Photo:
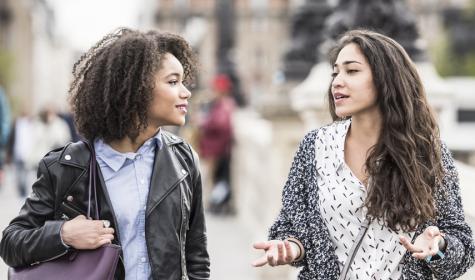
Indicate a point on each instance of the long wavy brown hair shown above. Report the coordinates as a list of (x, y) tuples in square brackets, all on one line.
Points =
[(113, 82), (404, 167)]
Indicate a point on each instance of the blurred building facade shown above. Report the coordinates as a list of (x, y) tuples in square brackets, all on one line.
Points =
[(266, 55), (38, 64), (16, 46)]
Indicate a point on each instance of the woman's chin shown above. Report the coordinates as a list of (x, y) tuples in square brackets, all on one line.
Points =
[(178, 123), (342, 114)]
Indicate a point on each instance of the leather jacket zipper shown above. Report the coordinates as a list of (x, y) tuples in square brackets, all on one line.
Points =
[(181, 223), (182, 250), (166, 194), (50, 259), (180, 239)]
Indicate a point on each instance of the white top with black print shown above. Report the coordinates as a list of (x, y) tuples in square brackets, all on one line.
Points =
[(341, 197), (301, 218)]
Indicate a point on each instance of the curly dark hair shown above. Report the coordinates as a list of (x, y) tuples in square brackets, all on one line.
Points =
[(404, 166), (113, 81)]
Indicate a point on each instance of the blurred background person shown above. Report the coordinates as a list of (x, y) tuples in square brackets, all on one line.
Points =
[(215, 143), (51, 132), (20, 146), (4, 129), (67, 116), (30, 139)]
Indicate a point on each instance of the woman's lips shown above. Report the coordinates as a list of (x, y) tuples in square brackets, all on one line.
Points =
[(182, 108), (339, 97)]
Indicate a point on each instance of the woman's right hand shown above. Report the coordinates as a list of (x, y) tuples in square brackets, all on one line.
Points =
[(81, 233), (277, 252)]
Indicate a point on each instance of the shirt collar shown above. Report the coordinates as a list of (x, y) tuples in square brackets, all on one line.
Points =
[(115, 160), (152, 143), (341, 130)]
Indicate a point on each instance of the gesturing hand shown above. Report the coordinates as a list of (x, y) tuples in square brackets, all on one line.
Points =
[(277, 252), (426, 244), (81, 233)]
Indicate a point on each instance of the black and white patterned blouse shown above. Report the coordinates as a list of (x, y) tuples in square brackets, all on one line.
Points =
[(341, 197), (302, 217)]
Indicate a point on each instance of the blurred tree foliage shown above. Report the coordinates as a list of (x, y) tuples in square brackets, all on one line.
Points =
[(454, 53), (6, 64)]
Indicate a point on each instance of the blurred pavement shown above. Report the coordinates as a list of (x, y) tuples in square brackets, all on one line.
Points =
[(10, 205), (230, 248)]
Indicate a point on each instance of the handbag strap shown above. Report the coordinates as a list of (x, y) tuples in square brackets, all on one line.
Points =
[(354, 250), (92, 182)]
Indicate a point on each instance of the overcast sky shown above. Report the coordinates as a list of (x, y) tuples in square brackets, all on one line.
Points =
[(84, 22)]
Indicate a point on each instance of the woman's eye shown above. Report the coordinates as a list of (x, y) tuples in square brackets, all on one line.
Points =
[(173, 83), (351, 71), (334, 74)]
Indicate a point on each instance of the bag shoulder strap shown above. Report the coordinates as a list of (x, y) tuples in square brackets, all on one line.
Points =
[(354, 250), (92, 182)]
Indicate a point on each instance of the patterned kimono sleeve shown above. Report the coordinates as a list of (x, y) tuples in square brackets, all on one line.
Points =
[(292, 220), (460, 251)]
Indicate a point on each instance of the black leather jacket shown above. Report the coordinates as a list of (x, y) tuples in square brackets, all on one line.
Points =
[(174, 224)]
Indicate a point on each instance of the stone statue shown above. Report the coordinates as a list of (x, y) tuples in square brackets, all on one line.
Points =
[(306, 26), (390, 17)]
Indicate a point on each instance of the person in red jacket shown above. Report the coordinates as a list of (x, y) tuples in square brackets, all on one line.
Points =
[(216, 137)]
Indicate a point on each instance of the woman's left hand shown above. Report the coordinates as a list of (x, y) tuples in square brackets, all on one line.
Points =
[(426, 244)]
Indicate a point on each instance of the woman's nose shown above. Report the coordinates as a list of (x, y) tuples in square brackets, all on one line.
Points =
[(337, 81), (185, 93)]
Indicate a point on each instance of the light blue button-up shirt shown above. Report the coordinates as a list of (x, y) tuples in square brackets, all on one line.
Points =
[(127, 177)]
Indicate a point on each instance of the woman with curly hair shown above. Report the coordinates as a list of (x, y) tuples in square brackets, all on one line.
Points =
[(125, 89), (375, 194)]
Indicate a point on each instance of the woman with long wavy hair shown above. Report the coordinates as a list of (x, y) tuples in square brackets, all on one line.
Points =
[(375, 194)]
